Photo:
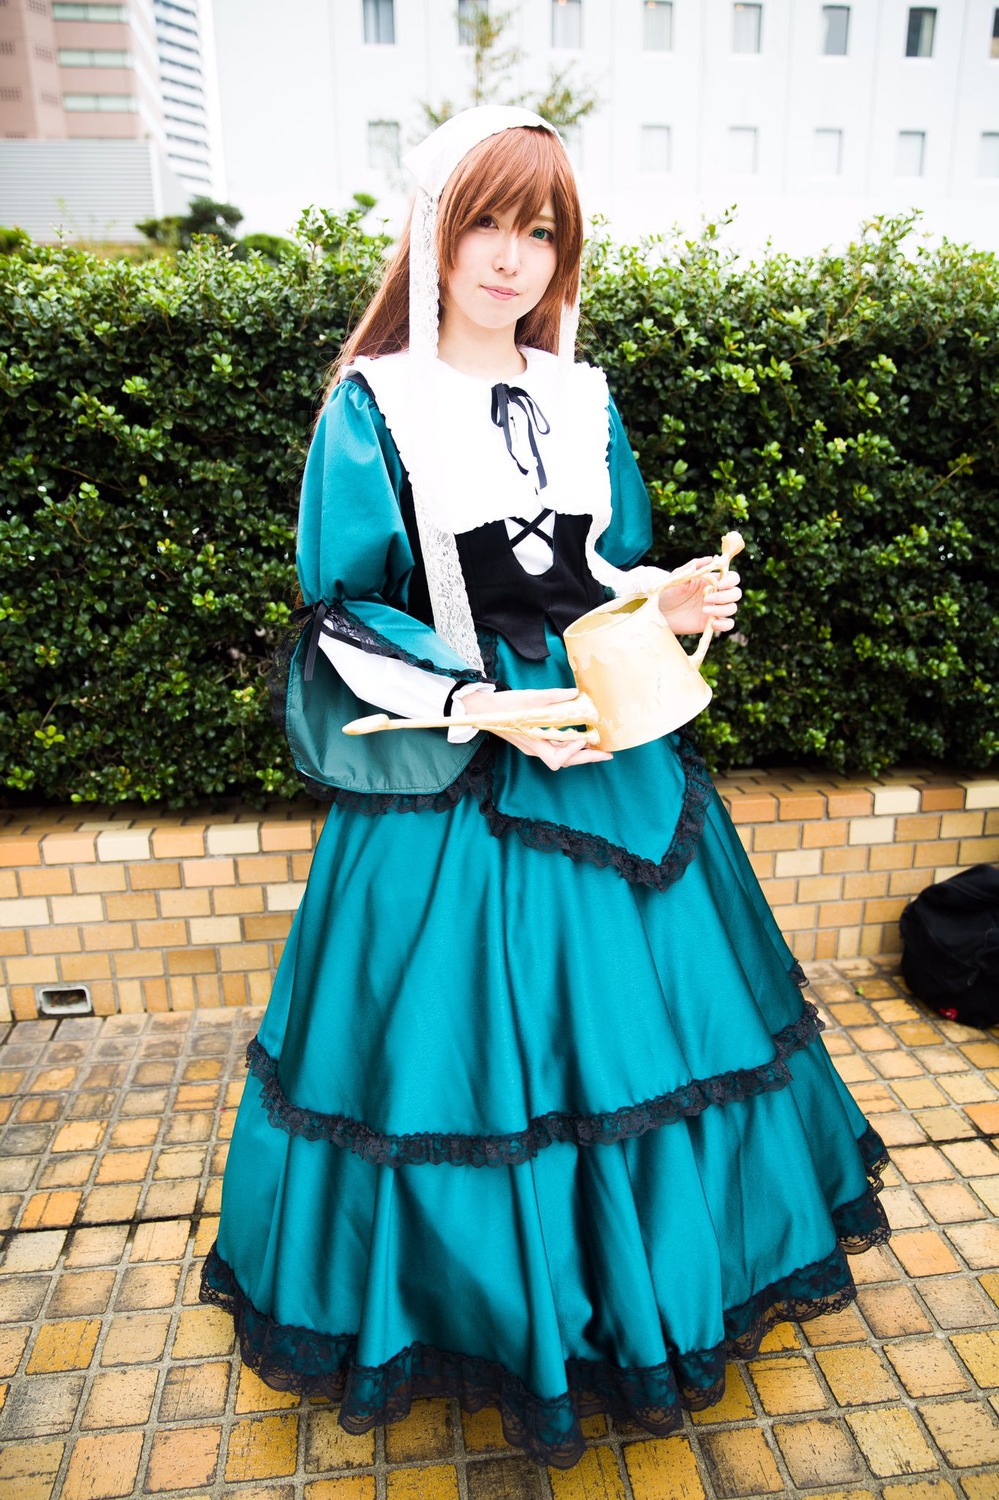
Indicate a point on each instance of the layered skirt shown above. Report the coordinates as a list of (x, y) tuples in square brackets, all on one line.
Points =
[(537, 1116)]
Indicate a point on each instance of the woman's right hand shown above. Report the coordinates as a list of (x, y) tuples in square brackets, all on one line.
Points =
[(555, 753)]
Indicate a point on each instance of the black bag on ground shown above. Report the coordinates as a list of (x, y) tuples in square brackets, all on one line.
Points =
[(950, 946)]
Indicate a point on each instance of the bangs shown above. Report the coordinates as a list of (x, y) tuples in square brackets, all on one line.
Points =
[(517, 170)]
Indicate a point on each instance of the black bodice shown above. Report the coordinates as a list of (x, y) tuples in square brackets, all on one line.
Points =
[(505, 598)]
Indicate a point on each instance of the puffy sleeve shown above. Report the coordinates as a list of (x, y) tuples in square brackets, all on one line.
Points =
[(354, 564), (628, 537), (353, 550)]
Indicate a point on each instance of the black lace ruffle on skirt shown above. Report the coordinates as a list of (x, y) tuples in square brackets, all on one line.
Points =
[(426, 1148), (653, 1398)]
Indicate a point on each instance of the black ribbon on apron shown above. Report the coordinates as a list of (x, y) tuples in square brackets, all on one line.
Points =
[(505, 396)]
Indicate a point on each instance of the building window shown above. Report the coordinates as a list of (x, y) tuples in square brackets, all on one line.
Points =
[(656, 149), (383, 145), (657, 25), (747, 27), (995, 34), (835, 27), (467, 10), (117, 13), (71, 57), (379, 22), (988, 154), (100, 103), (910, 154), (827, 153), (919, 32), (742, 150), (567, 24)]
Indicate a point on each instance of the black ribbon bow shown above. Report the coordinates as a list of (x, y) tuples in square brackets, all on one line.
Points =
[(316, 614), (505, 396)]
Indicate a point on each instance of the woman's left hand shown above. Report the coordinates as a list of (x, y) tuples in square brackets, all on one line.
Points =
[(690, 606)]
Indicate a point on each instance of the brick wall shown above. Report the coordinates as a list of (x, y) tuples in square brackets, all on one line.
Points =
[(162, 911)]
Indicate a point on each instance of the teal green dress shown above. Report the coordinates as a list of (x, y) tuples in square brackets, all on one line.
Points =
[(537, 1116)]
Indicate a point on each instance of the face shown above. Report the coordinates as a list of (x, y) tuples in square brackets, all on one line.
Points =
[(501, 272)]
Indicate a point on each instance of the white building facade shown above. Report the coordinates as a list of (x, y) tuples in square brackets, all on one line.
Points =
[(810, 117), (185, 74)]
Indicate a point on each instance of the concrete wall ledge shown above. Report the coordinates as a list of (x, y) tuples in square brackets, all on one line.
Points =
[(157, 910)]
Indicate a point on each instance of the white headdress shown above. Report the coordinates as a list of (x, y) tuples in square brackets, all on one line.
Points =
[(432, 163)]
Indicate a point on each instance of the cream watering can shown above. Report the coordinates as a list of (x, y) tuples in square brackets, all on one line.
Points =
[(635, 681)]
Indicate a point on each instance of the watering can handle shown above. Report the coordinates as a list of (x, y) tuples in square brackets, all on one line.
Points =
[(732, 545)]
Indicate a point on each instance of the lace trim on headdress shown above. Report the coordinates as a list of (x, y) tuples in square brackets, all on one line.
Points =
[(431, 1148), (653, 1398), (445, 584)]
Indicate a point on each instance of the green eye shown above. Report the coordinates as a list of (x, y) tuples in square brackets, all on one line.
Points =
[(543, 234)]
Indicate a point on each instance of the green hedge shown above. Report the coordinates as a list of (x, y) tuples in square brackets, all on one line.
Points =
[(844, 414), (841, 412)]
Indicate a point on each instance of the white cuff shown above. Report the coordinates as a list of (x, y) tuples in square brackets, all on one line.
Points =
[(397, 686), (457, 735)]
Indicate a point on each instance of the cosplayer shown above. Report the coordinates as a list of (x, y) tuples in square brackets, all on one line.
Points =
[(536, 1117)]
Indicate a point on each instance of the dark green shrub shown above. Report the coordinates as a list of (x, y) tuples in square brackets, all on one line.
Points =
[(153, 424), (842, 413), (272, 246)]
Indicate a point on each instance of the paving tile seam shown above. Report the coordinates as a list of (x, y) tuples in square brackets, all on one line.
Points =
[(696, 1435), (133, 1223)]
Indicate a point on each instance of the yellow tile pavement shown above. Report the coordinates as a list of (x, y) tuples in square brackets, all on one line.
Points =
[(117, 1384)]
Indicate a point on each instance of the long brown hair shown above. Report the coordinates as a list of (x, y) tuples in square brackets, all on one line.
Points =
[(519, 168)]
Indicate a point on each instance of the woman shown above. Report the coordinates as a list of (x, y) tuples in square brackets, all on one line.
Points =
[(554, 1134)]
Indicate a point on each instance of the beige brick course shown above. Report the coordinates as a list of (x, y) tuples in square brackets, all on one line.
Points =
[(178, 843), (115, 898), (214, 930), (777, 836), (24, 911), (19, 851), (896, 799), (283, 897), (201, 872), (829, 834), (983, 793), (128, 845), (233, 838), (872, 830), (237, 899), (35, 881), (69, 848)]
